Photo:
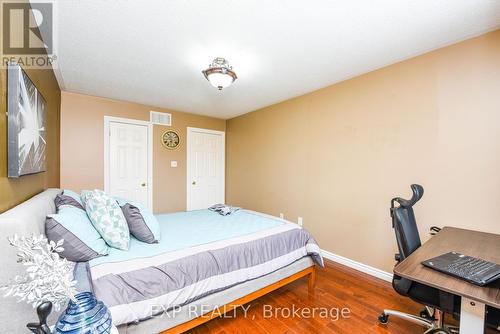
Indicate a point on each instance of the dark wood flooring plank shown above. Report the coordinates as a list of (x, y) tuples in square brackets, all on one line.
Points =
[(337, 286)]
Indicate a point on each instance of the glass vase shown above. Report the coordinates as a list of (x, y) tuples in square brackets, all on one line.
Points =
[(85, 316)]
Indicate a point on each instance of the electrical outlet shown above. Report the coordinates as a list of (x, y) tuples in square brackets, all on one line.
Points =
[(282, 216), (300, 221)]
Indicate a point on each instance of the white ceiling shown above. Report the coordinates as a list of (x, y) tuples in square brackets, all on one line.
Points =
[(152, 52)]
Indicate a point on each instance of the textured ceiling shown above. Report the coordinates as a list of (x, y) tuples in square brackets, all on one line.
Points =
[(152, 52)]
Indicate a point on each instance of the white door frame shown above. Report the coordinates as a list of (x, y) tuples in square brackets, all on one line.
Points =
[(107, 121), (190, 131)]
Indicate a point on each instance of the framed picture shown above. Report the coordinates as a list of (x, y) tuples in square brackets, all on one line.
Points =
[(26, 125)]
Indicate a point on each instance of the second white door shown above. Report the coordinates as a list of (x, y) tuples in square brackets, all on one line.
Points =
[(205, 168)]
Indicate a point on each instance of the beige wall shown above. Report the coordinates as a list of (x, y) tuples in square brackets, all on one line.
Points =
[(15, 191), (338, 155), (82, 146)]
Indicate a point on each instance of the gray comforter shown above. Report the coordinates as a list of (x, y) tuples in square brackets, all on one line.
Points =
[(138, 289)]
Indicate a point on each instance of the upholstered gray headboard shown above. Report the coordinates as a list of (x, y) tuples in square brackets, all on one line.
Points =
[(25, 219)]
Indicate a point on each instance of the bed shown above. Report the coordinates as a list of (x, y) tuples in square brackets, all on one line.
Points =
[(203, 261)]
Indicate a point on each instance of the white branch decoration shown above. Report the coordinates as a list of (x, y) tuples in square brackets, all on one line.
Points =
[(49, 277)]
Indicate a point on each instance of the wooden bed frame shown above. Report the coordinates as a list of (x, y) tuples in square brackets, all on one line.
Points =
[(311, 272)]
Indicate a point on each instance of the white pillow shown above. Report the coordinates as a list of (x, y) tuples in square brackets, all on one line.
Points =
[(107, 218)]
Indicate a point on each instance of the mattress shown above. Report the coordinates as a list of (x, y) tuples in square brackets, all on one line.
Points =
[(200, 253), (182, 230)]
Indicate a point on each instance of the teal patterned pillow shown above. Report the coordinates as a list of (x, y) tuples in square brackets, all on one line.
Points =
[(107, 218)]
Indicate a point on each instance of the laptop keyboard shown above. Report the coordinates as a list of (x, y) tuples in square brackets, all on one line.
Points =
[(468, 267), (471, 269)]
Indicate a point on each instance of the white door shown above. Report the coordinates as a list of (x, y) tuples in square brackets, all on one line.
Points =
[(205, 168), (128, 161)]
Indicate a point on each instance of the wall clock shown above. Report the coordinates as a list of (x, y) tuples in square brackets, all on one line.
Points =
[(170, 139)]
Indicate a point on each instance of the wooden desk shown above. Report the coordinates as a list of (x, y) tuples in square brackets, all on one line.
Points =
[(482, 245)]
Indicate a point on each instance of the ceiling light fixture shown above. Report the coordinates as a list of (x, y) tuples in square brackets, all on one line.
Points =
[(220, 74)]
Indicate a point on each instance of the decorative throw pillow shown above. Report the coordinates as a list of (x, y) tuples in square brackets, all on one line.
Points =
[(107, 217), (141, 222), (81, 240), (68, 198)]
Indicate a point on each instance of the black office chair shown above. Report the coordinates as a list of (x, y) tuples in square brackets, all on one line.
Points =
[(436, 302)]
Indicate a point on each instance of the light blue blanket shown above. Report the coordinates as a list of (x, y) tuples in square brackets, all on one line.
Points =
[(187, 229)]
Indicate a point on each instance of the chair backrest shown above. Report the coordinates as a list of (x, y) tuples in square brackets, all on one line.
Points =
[(404, 223)]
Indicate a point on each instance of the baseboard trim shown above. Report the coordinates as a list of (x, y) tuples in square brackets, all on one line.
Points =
[(384, 275)]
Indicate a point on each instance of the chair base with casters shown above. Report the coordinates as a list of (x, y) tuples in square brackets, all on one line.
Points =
[(433, 322)]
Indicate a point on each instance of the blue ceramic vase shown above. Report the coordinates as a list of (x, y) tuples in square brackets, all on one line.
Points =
[(85, 316)]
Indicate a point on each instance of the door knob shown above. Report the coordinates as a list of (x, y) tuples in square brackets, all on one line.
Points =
[(143, 184), (193, 183)]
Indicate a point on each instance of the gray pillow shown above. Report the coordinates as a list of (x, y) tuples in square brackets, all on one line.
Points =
[(137, 224), (62, 200), (82, 242)]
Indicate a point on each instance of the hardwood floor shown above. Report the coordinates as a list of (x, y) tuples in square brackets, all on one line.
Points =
[(337, 287)]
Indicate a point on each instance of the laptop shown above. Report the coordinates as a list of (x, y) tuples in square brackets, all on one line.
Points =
[(471, 269)]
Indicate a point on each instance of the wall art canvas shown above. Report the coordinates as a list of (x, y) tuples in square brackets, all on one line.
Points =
[(26, 125)]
